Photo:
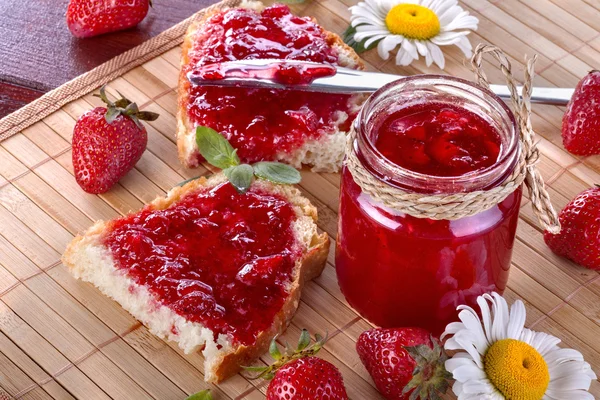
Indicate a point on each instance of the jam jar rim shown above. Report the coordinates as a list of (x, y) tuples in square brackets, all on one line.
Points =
[(403, 178)]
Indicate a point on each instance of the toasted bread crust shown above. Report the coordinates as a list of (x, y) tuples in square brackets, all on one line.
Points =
[(184, 147), (308, 267)]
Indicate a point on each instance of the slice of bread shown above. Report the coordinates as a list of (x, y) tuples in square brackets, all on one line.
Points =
[(90, 260), (324, 153)]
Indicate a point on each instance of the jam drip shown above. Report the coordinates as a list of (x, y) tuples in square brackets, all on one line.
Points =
[(261, 123), (438, 139), (215, 257)]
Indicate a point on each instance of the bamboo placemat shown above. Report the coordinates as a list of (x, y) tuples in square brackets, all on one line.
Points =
[(62, 339)]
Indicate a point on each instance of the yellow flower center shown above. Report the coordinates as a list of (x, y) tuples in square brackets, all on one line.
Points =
[(517, 370), (413, 21)]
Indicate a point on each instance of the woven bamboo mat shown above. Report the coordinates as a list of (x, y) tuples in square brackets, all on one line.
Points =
[(62, 339)]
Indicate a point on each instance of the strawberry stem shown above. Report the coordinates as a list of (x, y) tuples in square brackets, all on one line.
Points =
[(430, 375), (302, 350), (125, 107)]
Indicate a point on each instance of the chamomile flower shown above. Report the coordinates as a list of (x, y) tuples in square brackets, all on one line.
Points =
[(419, 27), (500, 359)]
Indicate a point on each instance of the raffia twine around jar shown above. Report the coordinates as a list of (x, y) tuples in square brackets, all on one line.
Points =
[(459, 205)]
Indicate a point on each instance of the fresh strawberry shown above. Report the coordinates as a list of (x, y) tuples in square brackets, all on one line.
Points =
[(581, 122), (405, 363), (579, 238), (87, 18), (307, 378), (299, 375), (107, 143)]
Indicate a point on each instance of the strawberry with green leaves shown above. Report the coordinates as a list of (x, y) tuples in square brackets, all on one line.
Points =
[(108, 142), (579, 238), (405, 363), (581, 122), (86, 18), (297, 374)]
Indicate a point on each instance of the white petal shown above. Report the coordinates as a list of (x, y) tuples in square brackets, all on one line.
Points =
[(500, 308), (459, 360), (473, 324), (588, 370), (465, 46), (436, 54), (542, 342), (388, 44), (360, 36), (457, 388), (407, 53), (480, 387), (527, 336), (373, 39), (367, 23), (421, 47), (447, 13), (462, 21), (486, 317), (448, 38), (467, 372), (571, 382), (452, 328), (410, 47), (567, 368), (465, 339), (517, 320)]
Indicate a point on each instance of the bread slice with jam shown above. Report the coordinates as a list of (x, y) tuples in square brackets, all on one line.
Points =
[(211, 269), (298, 128)]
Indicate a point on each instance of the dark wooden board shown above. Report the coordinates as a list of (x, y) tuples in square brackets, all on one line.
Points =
[(37, 51)]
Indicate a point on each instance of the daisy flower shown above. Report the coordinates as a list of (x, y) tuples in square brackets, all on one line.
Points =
[(419, 27), (500, 359)]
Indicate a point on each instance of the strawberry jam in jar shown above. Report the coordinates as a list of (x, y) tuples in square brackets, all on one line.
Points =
[(427, 134)]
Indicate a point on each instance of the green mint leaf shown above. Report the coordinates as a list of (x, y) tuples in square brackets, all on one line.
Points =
[(240, 176), (203, 395), (359, 47), (276, 172), (215, 148)]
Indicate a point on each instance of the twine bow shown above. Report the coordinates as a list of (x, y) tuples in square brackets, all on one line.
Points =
[(460, 205)]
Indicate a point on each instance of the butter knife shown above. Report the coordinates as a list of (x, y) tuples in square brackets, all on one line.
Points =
[(263, 73)]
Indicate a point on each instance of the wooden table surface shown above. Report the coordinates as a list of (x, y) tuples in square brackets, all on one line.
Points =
[(38, 53)]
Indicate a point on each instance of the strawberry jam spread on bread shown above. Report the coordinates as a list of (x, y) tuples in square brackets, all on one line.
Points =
[(211, 269), (212, 257), (263, 124)]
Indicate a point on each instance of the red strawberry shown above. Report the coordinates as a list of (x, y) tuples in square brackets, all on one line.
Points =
[(581, 122), (307, 378), (579, 238), (87, 18), (299, 375), (405, 363), (107, 143)]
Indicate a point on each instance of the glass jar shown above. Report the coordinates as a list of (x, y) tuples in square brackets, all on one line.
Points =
[(399, 270)]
